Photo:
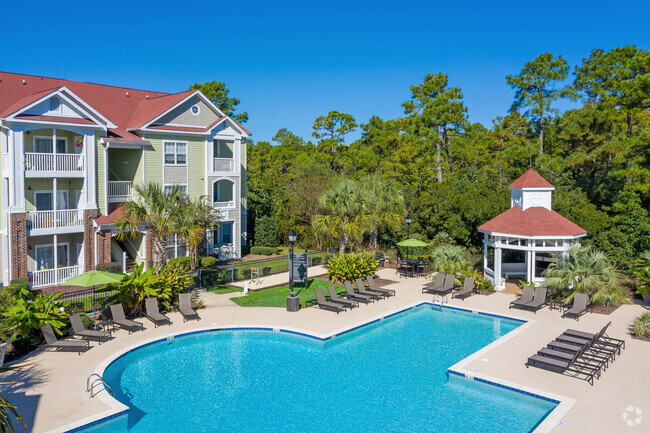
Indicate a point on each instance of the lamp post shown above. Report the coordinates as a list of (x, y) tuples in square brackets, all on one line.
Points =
[(408, 231), (292, 240)]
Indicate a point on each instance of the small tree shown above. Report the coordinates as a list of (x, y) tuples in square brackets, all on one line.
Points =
[(266, 232), (450, 259), (30, 312)]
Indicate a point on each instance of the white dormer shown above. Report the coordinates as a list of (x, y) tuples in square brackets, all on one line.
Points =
[(531, 190)]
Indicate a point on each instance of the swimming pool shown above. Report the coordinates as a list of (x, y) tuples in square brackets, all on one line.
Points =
[(388, 376)]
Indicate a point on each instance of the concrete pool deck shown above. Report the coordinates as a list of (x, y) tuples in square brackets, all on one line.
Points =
[(50, 393)]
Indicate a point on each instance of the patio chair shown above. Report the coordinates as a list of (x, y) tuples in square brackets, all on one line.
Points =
[(351, 294), (334, 297), (467, 290), (525, 298), (79, 329), (117, 312), (580, 305), (438, 282), (185, 307), (539, 300), (447, 286), (603, 338), (152, 312), (325, 304), (373, 287), (571, 364), (361, 288), (52, 342)]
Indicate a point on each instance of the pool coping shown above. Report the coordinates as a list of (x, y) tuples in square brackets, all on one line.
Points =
[(459, 369)]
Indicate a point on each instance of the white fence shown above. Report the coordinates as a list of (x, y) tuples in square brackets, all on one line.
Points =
[(224, 164), (52, 277), (120, 188), (49, 219), (53, 162)]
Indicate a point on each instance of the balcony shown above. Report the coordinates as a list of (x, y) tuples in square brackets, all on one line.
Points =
[(54, 164), (63, 221), (120, 190), (224, 204), (53, 277), (223, 164)]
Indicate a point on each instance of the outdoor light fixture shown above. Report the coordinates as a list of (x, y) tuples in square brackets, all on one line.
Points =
[(292, 239), (408, 219), (408, 232)]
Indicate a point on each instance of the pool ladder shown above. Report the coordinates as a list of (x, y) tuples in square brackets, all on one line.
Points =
[(90, 386)]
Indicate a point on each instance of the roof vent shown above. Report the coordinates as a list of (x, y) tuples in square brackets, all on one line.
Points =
[(24, 82), (147, 96), (127, 94)]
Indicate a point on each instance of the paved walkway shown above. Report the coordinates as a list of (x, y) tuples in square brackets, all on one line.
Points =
[(51, 392)]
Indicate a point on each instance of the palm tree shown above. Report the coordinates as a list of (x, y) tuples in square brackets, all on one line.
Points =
[(584, 270), (159, 211), (8, 411), (197, 216), (386, 207), (347, 218), (450, 259), (642, 273)]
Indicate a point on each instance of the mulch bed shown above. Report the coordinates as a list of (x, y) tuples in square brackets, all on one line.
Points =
[(601, 309), (486, 292), (641, 338)]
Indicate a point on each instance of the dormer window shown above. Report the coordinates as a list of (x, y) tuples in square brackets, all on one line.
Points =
[(195, 109), (55, 103)]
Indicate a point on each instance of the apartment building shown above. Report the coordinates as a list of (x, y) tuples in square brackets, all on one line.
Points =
[(71, 153)]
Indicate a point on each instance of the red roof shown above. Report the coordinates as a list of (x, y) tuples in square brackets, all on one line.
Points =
[(127, 108), (531, 179), (55, 119), (111, 217), (534, 221)]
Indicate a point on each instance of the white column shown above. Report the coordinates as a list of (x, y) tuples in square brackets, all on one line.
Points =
[(54, 148), (485, 252), (237, 155), (144, 166), (497, 267), (532, 265), (56, 258), (55, 206), (90, 171), (17, 171)]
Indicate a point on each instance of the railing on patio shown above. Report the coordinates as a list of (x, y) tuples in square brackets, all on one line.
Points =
[(120, 188), (53, 277), (224, 164), (53, 161), (49, 219), (223, 204), (84, 301)]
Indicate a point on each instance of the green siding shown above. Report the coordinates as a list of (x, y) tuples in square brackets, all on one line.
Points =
[(124, 164), (29, 138), (69, 185)]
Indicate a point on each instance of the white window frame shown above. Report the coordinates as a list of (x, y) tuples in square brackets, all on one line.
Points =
[(51, 138), (170, 185), (51, 192), (198, 109), (59, 244), (232, 233), (176, 143), (175, 245)]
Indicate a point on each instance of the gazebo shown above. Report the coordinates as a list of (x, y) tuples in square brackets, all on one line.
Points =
[(517, 243)]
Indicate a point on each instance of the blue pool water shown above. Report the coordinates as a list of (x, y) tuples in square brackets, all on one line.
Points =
[(386, 377)]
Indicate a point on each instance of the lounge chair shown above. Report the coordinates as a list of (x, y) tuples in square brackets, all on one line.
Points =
[(351, 294), (51, 341), (334, 297), (447, 286), (185, 307), (580, 305), (572, 365), (467, 290), (603, 338), (525, 298), (438, 282), (325, 304), (152, 312), (117, 311), (539, 300), (373, 287), (362, 289), (80, 330)]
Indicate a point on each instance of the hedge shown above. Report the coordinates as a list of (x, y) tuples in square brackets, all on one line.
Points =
[(208, 261), (112, 267), (265, 251)]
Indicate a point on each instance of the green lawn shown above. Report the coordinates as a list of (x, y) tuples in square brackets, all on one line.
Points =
[(222, 288), (277, 296)]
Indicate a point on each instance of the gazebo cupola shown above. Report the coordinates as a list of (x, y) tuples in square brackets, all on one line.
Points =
[(517, 244)]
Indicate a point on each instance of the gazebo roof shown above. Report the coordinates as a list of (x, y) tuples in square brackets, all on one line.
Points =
[(534, 221), (531, 179)]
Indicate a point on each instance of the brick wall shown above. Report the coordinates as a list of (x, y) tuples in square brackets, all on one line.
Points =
[(148, 250), (18, 244), (104, 246), (89, 240)]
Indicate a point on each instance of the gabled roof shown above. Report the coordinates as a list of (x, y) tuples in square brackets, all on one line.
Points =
[(531, 179), (534, 221), (110, 218), (125, 108)]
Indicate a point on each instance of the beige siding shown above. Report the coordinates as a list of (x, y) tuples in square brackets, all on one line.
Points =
[(175, 175), (182, 115)]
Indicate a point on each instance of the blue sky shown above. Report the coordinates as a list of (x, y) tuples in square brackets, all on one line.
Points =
[(292, 61)]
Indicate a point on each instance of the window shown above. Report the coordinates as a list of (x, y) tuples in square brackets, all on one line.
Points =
[(175, 247), (45, 256), (226, 233), (168, 188), (175, 152), (195, 109), (44, 144), (43, 200)]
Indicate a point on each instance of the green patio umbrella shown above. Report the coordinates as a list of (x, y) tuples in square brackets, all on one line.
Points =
[(94, 278), (412, 243)]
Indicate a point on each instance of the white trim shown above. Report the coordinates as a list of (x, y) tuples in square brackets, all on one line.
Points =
[(232, 123), (175, 164), (198, 110), (516, 235)]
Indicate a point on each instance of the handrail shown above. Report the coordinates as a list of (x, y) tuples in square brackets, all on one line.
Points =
[(90, 387)]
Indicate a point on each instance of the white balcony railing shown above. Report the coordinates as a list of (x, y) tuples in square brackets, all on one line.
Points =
[(120, 188), (223, 204), (224, 164), (52, 277), (50, 219), (54, 162), (224, 251)]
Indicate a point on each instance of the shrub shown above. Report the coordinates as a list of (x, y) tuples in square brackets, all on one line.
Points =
[(208, 261), (112, 267), (183, 260), (265, 251), (174, 278), (20, 283), (266, 232), (641, 325), (30, 312), (352, 265), (24, 344)]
